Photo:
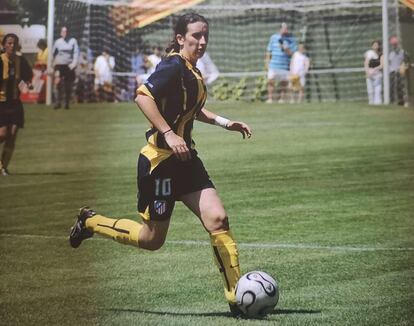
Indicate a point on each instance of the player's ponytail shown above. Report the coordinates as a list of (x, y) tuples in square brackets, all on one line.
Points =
[(181, 28)]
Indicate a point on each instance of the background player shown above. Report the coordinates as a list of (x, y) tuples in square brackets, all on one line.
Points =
[(66, 54), (13, 70), (169, 168)]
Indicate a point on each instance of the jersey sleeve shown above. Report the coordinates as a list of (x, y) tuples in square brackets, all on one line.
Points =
[(269, 45), (27, 73), (167, 73)]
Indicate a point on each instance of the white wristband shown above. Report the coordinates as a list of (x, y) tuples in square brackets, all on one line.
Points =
[(220, 121)]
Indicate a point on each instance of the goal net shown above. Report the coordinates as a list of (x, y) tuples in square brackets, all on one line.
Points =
[(336, 34)]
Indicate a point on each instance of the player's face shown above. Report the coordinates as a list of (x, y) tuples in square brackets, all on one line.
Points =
[(64, 32), (10, 46), (394, 42), (194, 42)]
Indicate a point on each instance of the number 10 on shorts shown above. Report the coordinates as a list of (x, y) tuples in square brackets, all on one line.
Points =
[(163, 187)]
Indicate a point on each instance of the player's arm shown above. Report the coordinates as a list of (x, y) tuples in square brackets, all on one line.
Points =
[(366, 66), (268, 57), (207, 116), (307, 64), (75, 57), (176, 143)]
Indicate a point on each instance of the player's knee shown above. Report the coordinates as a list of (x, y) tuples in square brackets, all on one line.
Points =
[(151, 245), (219, 222), (151, 242)]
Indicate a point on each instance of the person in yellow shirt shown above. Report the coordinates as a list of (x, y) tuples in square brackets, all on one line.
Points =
[(41, 57)]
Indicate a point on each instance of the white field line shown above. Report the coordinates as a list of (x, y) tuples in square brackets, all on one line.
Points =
[(253, 245)]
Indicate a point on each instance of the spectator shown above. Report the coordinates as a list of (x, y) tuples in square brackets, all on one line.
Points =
[(14, 70), (150, 62), (138, 68), (65, 59), (280, 49), (40, 71), (399, 64), (41, 56), (373, 65), (85, 79), (208, 69), (299, 67), (104, 65)]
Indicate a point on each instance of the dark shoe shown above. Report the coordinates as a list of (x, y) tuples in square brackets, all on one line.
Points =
[(79, 232), (235, 311), (57, 106), (4, 172)]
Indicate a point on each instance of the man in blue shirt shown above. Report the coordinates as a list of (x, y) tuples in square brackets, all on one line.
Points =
[(279, 51)]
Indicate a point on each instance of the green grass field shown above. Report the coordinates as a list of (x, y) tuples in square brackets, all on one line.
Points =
[(321, 197)]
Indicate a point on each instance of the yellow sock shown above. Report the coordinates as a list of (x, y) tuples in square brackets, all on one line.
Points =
[(226, 257), (123, 230)]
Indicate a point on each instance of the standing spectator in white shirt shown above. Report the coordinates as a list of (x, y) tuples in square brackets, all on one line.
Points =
[(103, 68), (208, 69), (150, 63), (65, 59), (299, 67), (373, 71)]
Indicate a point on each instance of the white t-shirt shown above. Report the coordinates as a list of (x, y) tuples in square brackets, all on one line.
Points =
[(154, 61), (103, 69), (371, 54), (207, 68), (299, 64)]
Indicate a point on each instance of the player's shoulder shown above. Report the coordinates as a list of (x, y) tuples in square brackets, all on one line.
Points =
[(275, 37), (370, 54), (171, 62)]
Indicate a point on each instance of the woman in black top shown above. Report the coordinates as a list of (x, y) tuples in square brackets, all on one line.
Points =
[(13, 70), (169, 168)]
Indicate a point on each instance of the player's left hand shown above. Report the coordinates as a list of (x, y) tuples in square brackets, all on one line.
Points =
[(241, 127)]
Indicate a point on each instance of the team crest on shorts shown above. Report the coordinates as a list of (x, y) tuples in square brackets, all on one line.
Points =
[(160, 206)]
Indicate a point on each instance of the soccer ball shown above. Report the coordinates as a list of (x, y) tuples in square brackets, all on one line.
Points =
[(257, 294)]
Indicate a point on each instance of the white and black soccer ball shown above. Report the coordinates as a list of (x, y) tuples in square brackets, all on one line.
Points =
[(257, 294)]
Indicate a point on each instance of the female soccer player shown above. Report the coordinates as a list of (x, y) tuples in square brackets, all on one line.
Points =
[(168, 166), (13, 70)]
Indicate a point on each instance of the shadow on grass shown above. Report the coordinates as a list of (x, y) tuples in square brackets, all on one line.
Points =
[(38, 173), (212, 314), (294, 311)]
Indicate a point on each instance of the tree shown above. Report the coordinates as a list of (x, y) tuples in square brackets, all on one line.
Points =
[(28, 12)]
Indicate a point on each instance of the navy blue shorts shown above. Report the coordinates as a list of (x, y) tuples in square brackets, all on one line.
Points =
[(11, 113), (161, 186)]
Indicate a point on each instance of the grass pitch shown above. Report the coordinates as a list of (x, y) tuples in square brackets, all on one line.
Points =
[(321, 198)]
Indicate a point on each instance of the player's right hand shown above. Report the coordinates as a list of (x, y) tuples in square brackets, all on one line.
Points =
[(178, 146)]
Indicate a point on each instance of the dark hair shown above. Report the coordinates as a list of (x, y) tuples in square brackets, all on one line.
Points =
[(16, 38), (41, 44), (376, 41), (181, 28), (379, 45)]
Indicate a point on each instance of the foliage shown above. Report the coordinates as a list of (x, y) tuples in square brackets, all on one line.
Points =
[(29, 12), (225, 90)]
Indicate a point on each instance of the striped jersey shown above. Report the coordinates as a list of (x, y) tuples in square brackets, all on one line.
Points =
[(280, 60), (178, 89)]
